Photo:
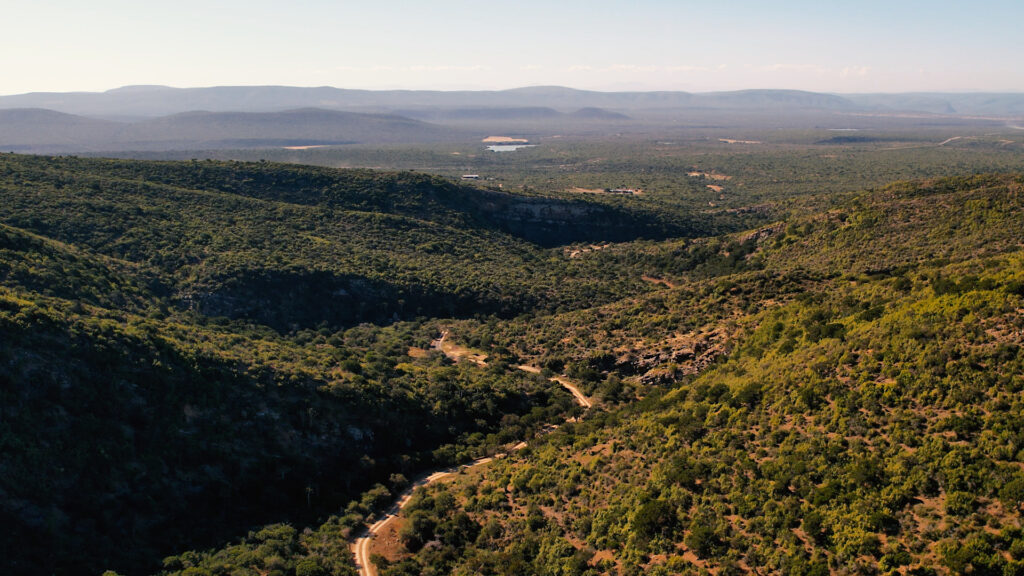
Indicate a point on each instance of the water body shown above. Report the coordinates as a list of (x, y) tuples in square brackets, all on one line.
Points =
[(508, 147)]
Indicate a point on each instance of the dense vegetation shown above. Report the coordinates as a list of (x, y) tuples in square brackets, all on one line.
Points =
[(191, 352), (301, 247), (864, 420), (179, 363), (130, 434)]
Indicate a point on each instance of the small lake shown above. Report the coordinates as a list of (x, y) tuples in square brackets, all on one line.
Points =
[(508, 147)]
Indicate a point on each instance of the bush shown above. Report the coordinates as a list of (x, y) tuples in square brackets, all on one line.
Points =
[(960, 503)]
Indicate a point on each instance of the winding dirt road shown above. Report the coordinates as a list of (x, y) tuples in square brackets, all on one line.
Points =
[(581, 399), (579, 396), (361, 546)]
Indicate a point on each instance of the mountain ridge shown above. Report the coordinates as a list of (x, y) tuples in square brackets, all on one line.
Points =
[(162, 100)]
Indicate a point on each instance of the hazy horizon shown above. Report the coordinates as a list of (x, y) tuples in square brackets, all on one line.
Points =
[(509, 88), (872, 47)]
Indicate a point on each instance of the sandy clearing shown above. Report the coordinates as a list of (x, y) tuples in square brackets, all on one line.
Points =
[(661, 281), (708, 175), (458, 353), (504, 140), (415, 352)]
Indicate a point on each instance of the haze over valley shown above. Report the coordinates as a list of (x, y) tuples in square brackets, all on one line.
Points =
[(156, 118)]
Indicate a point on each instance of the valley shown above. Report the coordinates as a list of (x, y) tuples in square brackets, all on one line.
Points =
[(740, 341), (618, 288)]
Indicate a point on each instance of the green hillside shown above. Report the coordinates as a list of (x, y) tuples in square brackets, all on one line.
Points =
[(862, 426), (301, 247), (845, 402), (237, 359), (181, 361), (131, 430)]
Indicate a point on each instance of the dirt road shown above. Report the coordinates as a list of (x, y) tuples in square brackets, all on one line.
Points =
[(579, 396), (581, 399), (361, 546)]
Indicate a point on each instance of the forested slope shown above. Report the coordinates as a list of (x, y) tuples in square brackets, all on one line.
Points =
[(295, 246), (184, 355), (131, 431), (861, 415), (181, 357)]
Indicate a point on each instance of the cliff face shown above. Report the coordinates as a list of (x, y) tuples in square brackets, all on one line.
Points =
[(291, 300), (551, 222)]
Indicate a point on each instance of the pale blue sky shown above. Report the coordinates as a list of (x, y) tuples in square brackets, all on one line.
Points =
[(852, 46)]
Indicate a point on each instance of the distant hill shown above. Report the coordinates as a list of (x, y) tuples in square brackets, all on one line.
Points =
[(504, 114), (598, 114), (482, 114), (35, 130), (773, 99), (978, 104), (304, 126)]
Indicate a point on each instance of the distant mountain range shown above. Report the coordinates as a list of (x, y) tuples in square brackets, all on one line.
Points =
[(153, 101), (158, 118)]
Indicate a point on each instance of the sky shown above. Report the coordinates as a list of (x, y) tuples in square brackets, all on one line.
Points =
[(853, 46)]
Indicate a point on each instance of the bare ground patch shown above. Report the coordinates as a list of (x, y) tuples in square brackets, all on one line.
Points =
[(577, 252), (661, 281), (504, 140), (456, 352)]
